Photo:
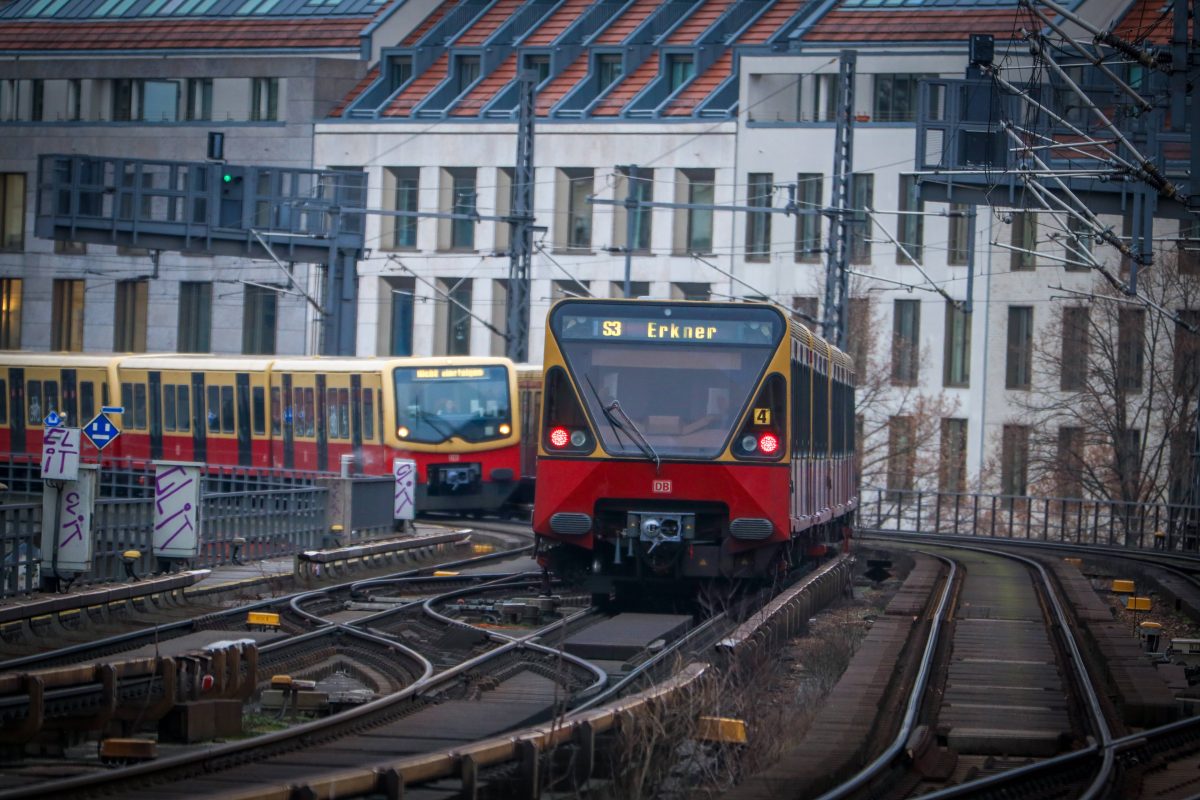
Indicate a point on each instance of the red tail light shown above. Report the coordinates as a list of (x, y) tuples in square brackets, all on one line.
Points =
[(768, 443), (560, 436)]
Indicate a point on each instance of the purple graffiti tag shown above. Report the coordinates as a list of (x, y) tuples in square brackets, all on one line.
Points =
[(186, 524), (76, 524), (162, 494)]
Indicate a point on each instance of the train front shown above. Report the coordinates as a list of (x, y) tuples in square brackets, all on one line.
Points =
[(456, 418), (664, 442)]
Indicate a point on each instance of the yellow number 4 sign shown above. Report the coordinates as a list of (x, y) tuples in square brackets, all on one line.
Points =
[(762, 416)]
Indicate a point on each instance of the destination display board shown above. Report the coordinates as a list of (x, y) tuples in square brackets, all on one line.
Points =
[(661, 325)]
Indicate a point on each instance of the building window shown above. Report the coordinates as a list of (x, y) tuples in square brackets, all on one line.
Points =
[(862, 195), (398, 302), (906, 341), (575, 187), (571, 288), (10, 316), (1024, 240), (453, 318), (399, 71), (806, 309), (680, 69), (129, 318), (264, 99), (74, 99), (952, 461), (66, 315), (636, 288), (957, 360), (910, 228), (159, 101), (896, 97), (199, 99), (958, 244), (37, 109), (1075, 330), (122, 99), (65, 247), (643, 192), (405, 185), (1131, 334), (1187, 353), (608, 71), (259, 308), (12, 211), (1014, 460), (539, 64), (691, 291), (858, 328), (900, 454), (468, 72), (1018, 370), (759, 190), (1187, 257), (1079, 243), (809, 188), (1069, 463), (195, 317), (694, 226), (457, 196)]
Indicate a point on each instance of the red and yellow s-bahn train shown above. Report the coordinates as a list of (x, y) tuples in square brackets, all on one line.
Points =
[(683, 441), (459, 418)]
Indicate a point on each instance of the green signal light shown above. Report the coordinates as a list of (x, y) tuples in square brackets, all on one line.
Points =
[(227, 178)]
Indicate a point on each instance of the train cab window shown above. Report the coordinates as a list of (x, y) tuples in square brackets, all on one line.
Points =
[(33, 400), (183, 410), (368, 414), (227, 425), (168, 407), (344, 412), (214, 403), (275, 411), (3, 402), (87, 401), (139, 405), (259, 414)]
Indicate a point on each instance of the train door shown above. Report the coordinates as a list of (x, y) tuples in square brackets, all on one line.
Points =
[(242, 380), (289, 425), (199, 419), (322, 430), (16, 415), (356, 411), (156, 417), (70, 398)]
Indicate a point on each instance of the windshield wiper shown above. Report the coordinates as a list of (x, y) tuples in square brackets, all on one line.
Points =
[(639, 440), (613, 422), (429, 419)]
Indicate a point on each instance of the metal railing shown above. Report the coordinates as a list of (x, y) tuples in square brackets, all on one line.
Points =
[(1051, 519)]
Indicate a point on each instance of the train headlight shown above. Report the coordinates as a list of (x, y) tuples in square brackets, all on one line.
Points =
[(749, 443), (560, 436), (402, 432), (768, 443), (578, 438), (505, 429)]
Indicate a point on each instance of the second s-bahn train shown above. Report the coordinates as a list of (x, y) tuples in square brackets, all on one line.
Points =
[(458, 418), (688, 441)]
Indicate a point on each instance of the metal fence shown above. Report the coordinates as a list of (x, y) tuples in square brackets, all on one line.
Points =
[(272, 513), (1103, 522)]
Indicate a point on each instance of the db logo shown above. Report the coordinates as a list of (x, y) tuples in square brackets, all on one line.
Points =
[(661, 487)]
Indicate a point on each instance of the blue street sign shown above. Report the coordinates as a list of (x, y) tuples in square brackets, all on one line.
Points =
[(112, 409), (101, 431), (52, 420)]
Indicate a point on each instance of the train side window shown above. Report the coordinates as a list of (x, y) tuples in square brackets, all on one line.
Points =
[(344, 412), (298, 418), (104, 394), (275, 404), (139, 405), (331, 405), (87, 401), (33, 399), (3, 402), (183, 411), (214, 403), (227, 422), (259, 414), (368, 414), (50, 392), (127, 398), (310, 414), (168, 406)]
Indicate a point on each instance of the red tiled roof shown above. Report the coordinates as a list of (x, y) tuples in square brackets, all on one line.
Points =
[(770, 21), (495, 16), (434, 17), (161, 34), (897, 24), (623, 25), (566, 80), (474, 102), (687, 100), (698, 21), (367, 80), (419, 89), (558, 22), (624, 91), (1147, 20)]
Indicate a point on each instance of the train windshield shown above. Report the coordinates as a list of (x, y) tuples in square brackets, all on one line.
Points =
[(436, 403), (675, 376)]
